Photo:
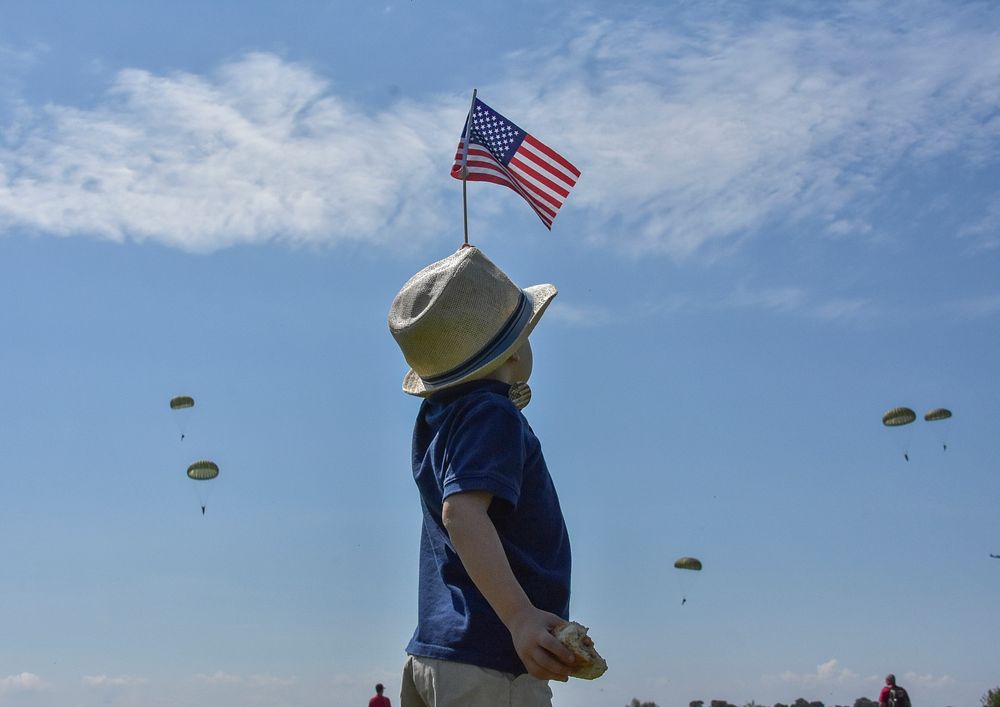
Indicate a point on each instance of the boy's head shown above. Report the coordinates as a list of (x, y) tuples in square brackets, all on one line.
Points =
[(460, 319)]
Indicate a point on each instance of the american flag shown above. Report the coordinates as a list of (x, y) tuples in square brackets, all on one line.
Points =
[(502, 153)]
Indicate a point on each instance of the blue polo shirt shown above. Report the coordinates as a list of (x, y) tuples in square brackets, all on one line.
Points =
[(472, 438)]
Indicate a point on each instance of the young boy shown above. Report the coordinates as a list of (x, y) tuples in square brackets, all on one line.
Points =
[(494, 551)]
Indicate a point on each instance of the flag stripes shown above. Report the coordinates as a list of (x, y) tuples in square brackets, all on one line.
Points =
[(483, 168), (501, 153)]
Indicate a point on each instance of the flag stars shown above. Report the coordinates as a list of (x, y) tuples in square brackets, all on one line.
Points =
[(494, 132)]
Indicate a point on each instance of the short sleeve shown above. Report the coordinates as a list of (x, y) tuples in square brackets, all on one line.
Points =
[(486, 450)]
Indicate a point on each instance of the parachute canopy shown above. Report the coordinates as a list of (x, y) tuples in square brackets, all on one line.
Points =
[(203, 470), (181, 402), (898, 416), (688, 563), (937, 414)]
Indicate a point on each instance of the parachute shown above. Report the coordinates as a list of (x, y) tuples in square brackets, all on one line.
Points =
[(183, 406), (939, 415), (685, 580), (201, 471), (181, 402), (900, 417), (688, 563)]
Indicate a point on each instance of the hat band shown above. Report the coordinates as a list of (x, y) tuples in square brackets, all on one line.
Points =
[(501, 342)]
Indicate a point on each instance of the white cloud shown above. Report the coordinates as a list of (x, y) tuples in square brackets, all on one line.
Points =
[(781, 299), (258, 680), (977, 307), (16, 59), (261, 150), (112, 681), (788, 300), (22, 682), (849, 227), (692, 136), (219, 678), (268, 680), (828, 673), (580, 316), (842, 309), (796, 300), (985, 232), (696, 136), (928, 680)]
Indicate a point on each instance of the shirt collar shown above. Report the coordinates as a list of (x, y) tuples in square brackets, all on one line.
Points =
[(483, 384)]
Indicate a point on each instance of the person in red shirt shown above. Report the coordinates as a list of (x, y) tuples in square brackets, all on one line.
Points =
[(893, 695), (379, 700)]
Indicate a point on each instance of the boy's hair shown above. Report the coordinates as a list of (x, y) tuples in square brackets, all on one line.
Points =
[(460, 318)]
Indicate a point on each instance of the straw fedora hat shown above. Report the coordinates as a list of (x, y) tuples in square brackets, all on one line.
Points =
[(460, 318)]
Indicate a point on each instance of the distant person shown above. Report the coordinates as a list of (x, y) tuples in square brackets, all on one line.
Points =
[(893, 695), (494, 574), (379, 700)]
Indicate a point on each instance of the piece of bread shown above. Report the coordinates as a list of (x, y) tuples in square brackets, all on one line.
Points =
[(589, 663)]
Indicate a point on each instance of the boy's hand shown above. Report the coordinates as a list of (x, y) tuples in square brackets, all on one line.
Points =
[(544, 655)]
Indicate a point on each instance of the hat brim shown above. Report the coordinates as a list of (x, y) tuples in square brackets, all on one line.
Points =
[(539, 297)]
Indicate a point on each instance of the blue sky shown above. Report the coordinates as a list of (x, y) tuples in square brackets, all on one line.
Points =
[(788, 222)]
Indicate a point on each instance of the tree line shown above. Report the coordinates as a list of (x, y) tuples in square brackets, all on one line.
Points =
[(800, 702), (990, 699)]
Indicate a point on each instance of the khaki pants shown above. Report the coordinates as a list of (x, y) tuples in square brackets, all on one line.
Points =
[(429, 682)]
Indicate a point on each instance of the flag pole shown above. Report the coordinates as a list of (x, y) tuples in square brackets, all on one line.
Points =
[(465, 169)]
